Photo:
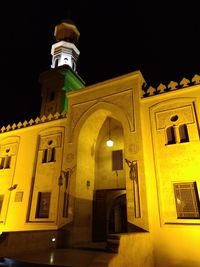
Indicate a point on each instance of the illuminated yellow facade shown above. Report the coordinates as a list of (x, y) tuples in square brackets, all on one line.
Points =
[(59, 179)]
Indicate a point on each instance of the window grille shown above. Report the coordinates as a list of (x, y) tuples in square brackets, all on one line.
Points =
[(187, 200), (43, 205)]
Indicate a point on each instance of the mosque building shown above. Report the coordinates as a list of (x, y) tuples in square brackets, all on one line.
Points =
[(118, 160)]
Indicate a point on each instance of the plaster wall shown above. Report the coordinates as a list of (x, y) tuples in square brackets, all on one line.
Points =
[(135, 250), (176, 241), (24, 172), (119, 99)]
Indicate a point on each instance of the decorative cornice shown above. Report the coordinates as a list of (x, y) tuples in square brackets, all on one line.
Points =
[(31, 122), (151, 91)]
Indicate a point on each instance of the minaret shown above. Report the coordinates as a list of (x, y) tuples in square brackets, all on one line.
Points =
[(65, 52), (62, 77)]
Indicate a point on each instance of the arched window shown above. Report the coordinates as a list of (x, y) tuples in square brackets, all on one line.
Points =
[(183, 132), (170, 135), (56, 62), (73, 65)]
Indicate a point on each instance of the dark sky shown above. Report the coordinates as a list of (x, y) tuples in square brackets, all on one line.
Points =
[(116, 37)]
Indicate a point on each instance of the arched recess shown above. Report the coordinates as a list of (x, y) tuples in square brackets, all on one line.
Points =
[(46, 192), (89, 133)]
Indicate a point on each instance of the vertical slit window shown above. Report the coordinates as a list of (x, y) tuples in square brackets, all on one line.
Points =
[(65, 205), (1, 202), (44, 159), (49, 155), (52, 153), (183, 132), (56, 62), (51, 96), (187, 200), (5, 162), (170, 135), (2, 163)]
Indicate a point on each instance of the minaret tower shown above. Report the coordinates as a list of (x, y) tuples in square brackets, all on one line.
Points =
[(65, 52), (62, 77)]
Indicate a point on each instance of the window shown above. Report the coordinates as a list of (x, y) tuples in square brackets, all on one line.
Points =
[(171, 136), (51, 96), (73, 65), (1, 202), (56, 62), (187, 200), (49, 154), (5, 162), (43, 205), (65, 205), (183, 133), (117, 160)]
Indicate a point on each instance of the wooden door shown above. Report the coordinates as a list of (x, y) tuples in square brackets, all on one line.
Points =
[(99, 216)]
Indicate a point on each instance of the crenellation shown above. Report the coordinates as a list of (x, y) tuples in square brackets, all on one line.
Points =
[(151, 91), (14, 126), (25, 123), (32, 122), (196, 79), (8, 128), (184, 82), (162, 88), (37, 120), (172, 85), (19, 125), (50, 117)]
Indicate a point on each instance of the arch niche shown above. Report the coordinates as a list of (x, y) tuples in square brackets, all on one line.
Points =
[(100, 175)]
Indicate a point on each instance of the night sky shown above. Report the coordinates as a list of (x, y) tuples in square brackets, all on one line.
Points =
[(116, 37)]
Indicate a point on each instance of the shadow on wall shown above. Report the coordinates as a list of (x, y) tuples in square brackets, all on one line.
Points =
[(133, 228)]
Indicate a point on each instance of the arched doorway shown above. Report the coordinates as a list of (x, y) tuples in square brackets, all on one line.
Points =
[(109, 213), (118, 216), (109, 179), (100, 169)]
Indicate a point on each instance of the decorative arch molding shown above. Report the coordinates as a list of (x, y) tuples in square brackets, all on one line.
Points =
[(105, 109), (10, 139), (10, 143), (51, 130), (175, 111), (173, 102), (49, 139)]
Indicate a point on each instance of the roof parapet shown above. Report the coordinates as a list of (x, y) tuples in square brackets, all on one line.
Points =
[(162, 88), (33, 122)]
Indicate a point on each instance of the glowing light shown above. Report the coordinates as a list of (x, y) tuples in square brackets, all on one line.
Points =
[(109, 143), (53, 239)]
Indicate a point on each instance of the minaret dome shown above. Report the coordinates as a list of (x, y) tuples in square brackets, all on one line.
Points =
[(64, 51), (67, 31)]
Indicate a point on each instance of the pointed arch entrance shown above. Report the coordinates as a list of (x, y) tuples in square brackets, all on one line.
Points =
[(100, 171)]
